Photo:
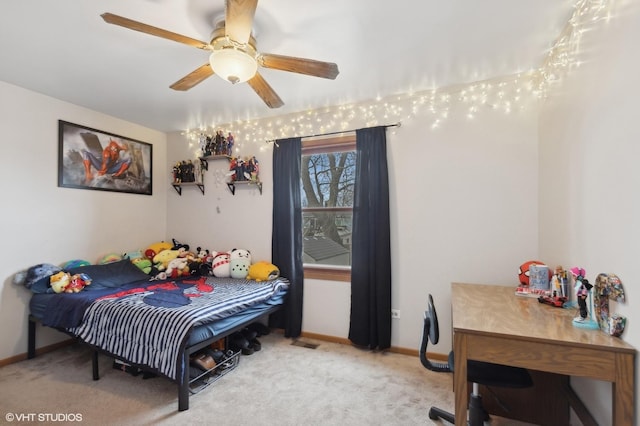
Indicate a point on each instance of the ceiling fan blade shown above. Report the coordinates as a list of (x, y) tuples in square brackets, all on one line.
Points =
[(239, 19), (155, 31), (193, 78), (299, 65), (266, 93)]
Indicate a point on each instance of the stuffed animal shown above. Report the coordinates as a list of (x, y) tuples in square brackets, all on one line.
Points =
[(156, 248), (133, 255), (143, 264), (59, 281), (177, 267), (162, 259), (203, 254), (239, 253), (239, 261), (240, 268), (75, 264), (220, 266), (77, 283), (109, 258), (199, 268), (263, 271), (34, 275)]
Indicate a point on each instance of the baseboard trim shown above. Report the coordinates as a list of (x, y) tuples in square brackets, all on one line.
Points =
[(317, 336), (40, 351), (394, 349)]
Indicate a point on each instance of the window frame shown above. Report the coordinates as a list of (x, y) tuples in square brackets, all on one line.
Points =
[(317, 145)]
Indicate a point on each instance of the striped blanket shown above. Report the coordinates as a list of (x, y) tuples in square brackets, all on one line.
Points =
[(149, 325)]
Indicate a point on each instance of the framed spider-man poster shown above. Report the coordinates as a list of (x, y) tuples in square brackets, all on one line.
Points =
[(95, 159)]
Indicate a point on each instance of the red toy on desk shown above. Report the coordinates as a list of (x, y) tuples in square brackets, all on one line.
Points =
[(557, 301)]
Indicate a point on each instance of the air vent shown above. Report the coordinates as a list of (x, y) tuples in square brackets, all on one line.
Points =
[(304, 344)]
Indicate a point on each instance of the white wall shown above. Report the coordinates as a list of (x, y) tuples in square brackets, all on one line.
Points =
[(463, 208), (589, 175), (218, 220), (42, 223)]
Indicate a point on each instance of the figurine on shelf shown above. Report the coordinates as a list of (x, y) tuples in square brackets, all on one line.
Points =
[(233, 166), (219, 143), (190, 171), (230, 142), (241, 168), (177, 175), (207, 147), (252, 169), (203, 144)]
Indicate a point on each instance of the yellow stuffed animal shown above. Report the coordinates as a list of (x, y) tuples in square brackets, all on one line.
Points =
[(162, 259), (59, 281), (263, 271)]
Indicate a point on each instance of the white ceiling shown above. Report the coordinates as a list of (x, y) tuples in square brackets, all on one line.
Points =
[(64, 49)]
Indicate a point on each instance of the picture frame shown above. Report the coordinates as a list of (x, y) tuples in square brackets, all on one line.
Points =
[(95, 159)]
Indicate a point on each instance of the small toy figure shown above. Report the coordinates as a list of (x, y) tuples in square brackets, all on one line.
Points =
[(583, 294), (204, 145), (230, 141), (559, 282), (191, 175), (232, 168), (240, 169), (253, 169), (219, 143), (177, 175), (583, 287)]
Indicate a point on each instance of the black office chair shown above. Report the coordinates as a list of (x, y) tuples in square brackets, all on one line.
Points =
[(479, 373)]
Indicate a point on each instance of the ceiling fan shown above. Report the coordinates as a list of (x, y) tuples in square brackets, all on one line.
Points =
[(234, 56)]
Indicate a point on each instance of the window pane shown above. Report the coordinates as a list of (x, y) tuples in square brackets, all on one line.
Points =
[(327, 183), (328, 179), (327, 238)]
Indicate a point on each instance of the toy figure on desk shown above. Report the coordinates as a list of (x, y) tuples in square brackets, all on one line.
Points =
[(558, 296), (559, 282), (583, 296)]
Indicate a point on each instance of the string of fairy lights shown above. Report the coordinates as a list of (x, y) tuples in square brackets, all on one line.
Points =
[(504, 94)]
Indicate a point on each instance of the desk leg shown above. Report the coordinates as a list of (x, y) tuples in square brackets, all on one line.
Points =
[(622, 390), (460, 378)]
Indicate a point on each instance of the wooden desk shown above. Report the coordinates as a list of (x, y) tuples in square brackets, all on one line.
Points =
[(491, 324)]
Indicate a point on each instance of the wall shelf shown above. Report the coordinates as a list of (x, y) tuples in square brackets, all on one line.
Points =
[(204, 161), (178, 186), (232, 185)]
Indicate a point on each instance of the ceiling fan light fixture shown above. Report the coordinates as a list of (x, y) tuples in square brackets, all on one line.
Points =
[(234, 63)]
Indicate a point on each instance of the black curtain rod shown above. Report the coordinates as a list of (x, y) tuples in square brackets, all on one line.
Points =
[(398, 124)]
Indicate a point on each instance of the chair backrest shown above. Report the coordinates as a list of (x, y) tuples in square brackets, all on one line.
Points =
[(431, 331)]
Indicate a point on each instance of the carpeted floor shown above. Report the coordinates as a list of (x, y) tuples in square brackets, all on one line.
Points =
[(283, 384)]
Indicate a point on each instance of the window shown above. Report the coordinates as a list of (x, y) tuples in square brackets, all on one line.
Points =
[(327, 177)]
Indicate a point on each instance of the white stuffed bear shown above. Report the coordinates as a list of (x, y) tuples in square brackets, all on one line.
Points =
[(177, 267), (220, 266), (240, 261)]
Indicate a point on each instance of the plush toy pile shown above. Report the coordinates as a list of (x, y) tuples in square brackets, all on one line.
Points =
[(159, 260)]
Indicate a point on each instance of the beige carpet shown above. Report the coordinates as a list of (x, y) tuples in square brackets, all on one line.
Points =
[(282, 384)]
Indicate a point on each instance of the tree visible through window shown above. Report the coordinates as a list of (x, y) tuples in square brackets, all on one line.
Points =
[(327, 177)]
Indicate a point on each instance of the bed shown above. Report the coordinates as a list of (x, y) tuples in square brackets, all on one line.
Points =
[(149, 324)]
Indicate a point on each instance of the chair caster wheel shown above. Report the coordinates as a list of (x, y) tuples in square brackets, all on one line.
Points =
[(432, 415)]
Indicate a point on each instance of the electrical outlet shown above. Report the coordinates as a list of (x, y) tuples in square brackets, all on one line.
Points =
[(395, 313)]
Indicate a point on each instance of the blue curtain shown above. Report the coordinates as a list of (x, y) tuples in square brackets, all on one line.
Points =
[(286, 242), (370, 324)]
